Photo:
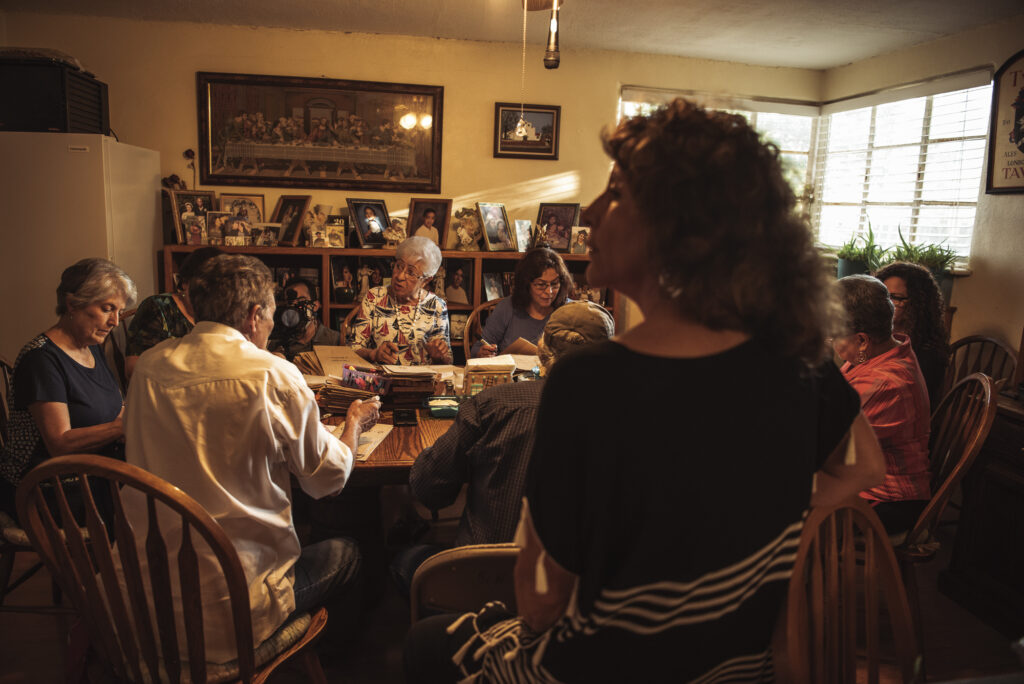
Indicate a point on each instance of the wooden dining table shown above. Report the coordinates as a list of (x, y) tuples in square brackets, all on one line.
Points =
[(390, 462)]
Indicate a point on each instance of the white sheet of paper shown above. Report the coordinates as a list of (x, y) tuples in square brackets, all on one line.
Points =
[(368, 440), (504, 362), (526, 362)]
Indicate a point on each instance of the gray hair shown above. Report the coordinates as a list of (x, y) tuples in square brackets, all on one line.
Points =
[(90, 281), (227, 287), (868, 306), (570, 327), (421, 249)]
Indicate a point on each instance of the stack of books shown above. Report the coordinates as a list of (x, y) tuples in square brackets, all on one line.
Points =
[(411, 385)]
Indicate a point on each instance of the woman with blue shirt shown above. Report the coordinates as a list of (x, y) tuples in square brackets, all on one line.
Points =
[(542, 284), (63, 397)]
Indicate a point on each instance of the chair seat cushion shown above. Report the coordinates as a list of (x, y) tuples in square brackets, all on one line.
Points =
[(284, 638)]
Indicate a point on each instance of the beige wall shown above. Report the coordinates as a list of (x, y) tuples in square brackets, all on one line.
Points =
[(150, 68), (991, 301)]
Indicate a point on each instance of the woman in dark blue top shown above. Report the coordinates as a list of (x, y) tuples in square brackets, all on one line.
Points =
[(542, 284), (63, 397)]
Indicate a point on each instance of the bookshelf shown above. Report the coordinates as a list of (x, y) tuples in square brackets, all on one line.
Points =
[(320, 259)]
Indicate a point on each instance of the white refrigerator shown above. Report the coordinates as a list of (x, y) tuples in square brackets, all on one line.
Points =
[(65, 197)]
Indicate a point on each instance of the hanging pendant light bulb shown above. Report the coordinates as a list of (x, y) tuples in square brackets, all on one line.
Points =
[(551, 56)]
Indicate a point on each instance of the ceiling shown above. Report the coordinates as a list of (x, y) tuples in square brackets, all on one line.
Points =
[(814, 34)]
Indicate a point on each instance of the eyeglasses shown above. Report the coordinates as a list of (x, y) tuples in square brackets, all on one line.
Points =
[(401, 267), (899, 300), (545, 285)]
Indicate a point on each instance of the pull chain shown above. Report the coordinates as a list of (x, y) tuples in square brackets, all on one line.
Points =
[(521, 124)]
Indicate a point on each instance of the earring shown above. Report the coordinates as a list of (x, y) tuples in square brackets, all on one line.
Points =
[(861, 357)]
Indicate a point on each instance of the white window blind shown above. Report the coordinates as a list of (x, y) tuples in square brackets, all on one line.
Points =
[(905, 160), (910, 166)]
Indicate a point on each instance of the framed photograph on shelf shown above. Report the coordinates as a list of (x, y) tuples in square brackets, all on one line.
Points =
[(343, 277), (285, 131), (457, 286), (249, 207), (526, 131), (370, 218), (580, 242), (463, 231), (290, 213), (457, 326), (1006, 131), (396, 232), (494, 220), (492, 286), (524, 234), (215, 221), (556, 222), (266, 234), (187, 206), (237, 232), (429, 218), (337, 226)]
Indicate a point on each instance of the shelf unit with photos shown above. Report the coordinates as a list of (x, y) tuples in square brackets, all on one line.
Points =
[(319, 262)]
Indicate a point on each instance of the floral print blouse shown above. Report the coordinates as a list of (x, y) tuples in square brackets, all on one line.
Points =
[(410, 326)]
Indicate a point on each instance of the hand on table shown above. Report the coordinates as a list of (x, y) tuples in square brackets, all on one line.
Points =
[(363, 413), (387, 352), (438, 350)]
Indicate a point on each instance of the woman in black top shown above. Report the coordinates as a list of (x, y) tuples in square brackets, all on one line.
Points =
[(63, 397), (672, 465)]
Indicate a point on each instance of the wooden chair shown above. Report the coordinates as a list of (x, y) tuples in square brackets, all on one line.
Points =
[(475, 325), (979, 354), (844, 572), (463, 579), (6, 379), (121, 623), (346, 325), (959, 427), (13, 539)]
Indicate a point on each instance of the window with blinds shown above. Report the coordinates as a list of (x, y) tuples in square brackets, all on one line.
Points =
[(906, 161), (910, 167)]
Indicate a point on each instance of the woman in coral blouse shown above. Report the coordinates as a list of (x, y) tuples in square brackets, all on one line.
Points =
[(883, 368)]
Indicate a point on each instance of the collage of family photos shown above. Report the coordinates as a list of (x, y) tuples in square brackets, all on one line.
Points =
[(243, 220)]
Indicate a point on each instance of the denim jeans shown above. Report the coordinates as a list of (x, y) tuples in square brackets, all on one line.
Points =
[(328, 574)]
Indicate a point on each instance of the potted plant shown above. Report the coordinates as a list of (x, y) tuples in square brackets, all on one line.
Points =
[(859, 258), (937, 258)]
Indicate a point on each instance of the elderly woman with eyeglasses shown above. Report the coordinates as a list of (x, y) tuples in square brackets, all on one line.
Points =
[(64, 398), (542, 284), (403, 323)]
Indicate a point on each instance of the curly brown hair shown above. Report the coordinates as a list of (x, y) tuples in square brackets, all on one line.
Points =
[(728, 248), (922, 313), (532, 266)]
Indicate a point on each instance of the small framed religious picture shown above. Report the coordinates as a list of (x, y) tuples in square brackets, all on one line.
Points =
[(526, 131), (429, 217), (580, 243), (1006, 132), (556, 222), (249, 207), (290, 212), (524, 234), (496, 230), (370, 218)]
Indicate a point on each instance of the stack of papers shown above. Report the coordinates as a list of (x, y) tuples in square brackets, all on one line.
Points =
[(502, 363), (334, 359)]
